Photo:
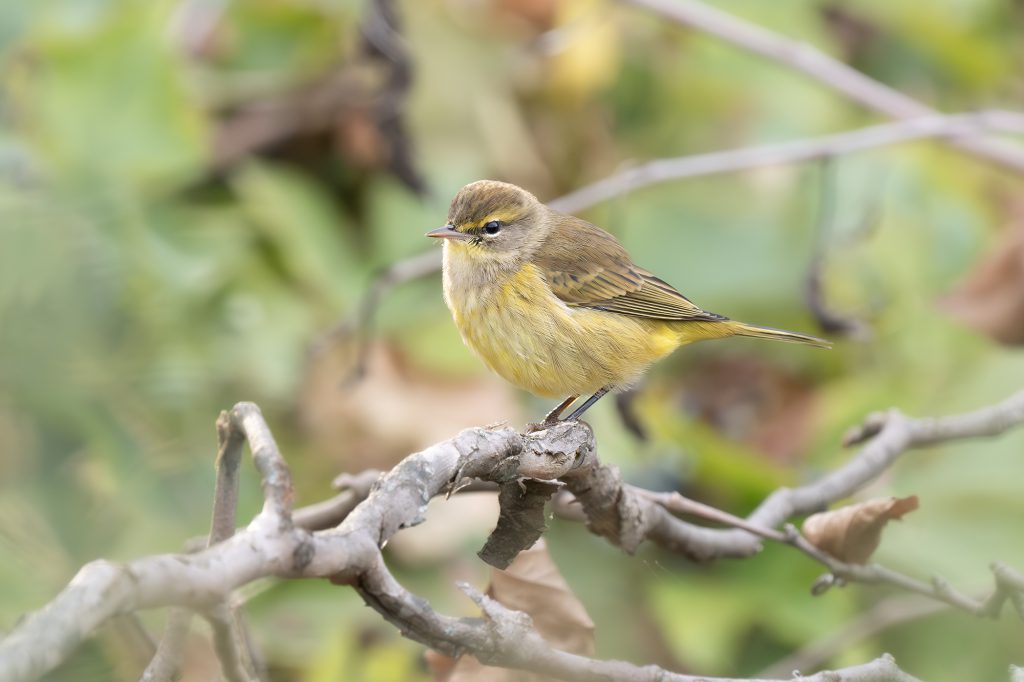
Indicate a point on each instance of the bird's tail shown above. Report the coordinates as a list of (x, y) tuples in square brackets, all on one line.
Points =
[(743, 329)]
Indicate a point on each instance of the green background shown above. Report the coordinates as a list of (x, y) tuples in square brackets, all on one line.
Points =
[(144, 286)]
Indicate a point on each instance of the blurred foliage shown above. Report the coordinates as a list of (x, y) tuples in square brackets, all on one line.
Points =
[(171, 242)]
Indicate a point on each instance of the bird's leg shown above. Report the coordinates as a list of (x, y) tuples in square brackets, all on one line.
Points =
[(586, 405), (552, 416)]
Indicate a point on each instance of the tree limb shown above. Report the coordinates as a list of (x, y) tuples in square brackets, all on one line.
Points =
[(817, 65), (890, 435), (166, 661), (926, 126), (273, 545)]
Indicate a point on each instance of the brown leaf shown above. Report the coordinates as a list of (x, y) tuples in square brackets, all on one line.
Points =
[(521, 521), (852, 533), (532, 584), (991, 299)]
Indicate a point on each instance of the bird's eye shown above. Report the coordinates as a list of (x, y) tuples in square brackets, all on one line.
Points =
[(492, 227)]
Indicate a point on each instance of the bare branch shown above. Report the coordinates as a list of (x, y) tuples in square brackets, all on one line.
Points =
[(927, 126), (203, 582), (830, 320), (229, 645), (508, 639), (166, 662), (938, 589), (840, 572), (891, 435), (246, 420), (822, 68), (272, 545), (516, 643), (358, 327), (329, 513)]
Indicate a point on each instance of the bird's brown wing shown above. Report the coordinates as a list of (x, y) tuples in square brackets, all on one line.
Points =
[(587, 267)]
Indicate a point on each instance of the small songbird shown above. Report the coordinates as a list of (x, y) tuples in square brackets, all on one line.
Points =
[(556, 306)]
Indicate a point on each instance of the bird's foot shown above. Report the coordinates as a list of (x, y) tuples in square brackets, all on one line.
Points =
[(552, 417), (534, 427)]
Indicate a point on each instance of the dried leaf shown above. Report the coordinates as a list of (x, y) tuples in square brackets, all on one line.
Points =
[(532, 584), (991, 299), (520, 522), (852, 533)]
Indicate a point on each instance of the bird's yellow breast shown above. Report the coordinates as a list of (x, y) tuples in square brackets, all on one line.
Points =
[(527, 335)]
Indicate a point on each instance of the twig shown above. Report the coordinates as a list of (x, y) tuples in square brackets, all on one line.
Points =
[(229, 644), (246, 420), (166, 662), (927, 126), (678, 504), (840, 571), (358, 327), (326, 514), (822, 68), (272, 545), (383, 42), (138, 641), (508, 639), (329, 513), (892, 436), (627, 518), (830, 321)]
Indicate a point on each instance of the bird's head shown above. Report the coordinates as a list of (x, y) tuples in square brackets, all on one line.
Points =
[(495, 221)]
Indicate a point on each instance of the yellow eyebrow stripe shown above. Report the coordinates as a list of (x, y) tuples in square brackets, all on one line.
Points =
[(500, 217)]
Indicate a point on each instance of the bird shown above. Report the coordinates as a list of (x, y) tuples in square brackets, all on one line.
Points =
[(556, 305)]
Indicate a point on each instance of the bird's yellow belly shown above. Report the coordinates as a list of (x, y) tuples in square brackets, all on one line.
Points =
[(533, 340)]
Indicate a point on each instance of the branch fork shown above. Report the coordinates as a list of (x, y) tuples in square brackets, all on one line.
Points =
[(341, 539)]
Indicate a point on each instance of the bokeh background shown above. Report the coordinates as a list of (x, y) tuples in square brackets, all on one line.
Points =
[(194, 196)]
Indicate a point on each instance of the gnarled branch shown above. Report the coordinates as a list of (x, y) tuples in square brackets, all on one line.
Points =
[(273, 544)]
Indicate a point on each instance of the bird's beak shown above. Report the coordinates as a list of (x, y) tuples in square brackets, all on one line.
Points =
[(447, 232)]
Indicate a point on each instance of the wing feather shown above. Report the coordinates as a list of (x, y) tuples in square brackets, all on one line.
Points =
[(587, 267)]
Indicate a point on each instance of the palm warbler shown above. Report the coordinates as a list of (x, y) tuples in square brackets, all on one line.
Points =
[(556, 306)]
